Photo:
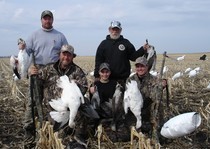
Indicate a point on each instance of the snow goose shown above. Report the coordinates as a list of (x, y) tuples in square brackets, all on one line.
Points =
[(177, 75), (71, 98), (180, 58), (20, 64), (133, 99)]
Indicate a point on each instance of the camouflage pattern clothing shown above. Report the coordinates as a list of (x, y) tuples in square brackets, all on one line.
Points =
[(148, 86), (47, 80), (48, 76)]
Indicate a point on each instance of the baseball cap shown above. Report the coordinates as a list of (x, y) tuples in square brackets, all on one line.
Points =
[(104, 66), (116, 24), (141, 60), (21, 41), (46, 13), (68, 48)]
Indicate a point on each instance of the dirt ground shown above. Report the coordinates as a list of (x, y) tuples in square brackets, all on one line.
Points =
[(186, 95)]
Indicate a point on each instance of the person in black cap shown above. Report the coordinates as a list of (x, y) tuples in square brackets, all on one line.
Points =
[(105, 86), (108, 92), (44, 46), (46, 42), (47, 15), (117, 51)]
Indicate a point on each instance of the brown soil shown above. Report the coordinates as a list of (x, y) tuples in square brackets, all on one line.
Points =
[(186, 95)]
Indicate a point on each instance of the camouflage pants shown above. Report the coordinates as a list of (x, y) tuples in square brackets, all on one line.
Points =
[(79, 133), (146, 128), (28, 118)]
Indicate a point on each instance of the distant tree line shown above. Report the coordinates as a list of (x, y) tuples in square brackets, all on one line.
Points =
[(4, 56)]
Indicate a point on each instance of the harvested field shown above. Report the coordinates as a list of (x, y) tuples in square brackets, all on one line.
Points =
[(186, 94)]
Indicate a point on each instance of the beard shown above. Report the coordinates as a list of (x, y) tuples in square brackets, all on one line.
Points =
[(115, 36)]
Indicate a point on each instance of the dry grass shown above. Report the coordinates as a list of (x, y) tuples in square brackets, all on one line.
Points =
[(186, 94)]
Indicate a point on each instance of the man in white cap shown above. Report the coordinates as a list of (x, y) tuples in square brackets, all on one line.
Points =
[(117, 51)]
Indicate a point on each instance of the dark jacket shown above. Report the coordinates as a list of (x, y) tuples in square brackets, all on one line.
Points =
[(117, 54), (106, 90)]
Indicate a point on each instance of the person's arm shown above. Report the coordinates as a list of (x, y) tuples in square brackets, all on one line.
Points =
[(156, 108), (29, 45), (99, 58), (64, 40), (133, 53), (33, 70), (81, 81), (92, 88), (141, 51)]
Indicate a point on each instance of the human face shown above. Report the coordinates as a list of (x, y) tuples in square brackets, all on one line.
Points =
[(141, 70), (104, 74), (115, 32), (65, 59), (47, 22), (21, 46)]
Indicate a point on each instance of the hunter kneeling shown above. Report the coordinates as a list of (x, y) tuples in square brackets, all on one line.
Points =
[(149, 87), (49, 76), (107, 99)]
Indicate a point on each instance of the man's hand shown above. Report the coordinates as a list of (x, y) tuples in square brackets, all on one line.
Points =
[(146, 46), (33, 70), (92, 89)]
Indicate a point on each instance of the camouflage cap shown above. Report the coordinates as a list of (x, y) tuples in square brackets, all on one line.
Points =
[(104, 66), (141, 60), (68, 48)]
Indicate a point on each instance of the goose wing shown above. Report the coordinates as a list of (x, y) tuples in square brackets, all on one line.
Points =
[(60, 117), (58, 105)]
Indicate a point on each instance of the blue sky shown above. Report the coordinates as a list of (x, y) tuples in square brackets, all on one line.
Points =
[(175, 26)]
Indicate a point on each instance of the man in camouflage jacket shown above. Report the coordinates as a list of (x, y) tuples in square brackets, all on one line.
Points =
[(148, 86), (47, 76)]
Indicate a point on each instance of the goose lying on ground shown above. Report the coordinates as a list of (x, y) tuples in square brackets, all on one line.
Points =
[(177, 75), (180, 58), (181, 125)]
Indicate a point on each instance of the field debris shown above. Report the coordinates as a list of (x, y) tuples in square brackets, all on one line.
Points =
[(186, 95)]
